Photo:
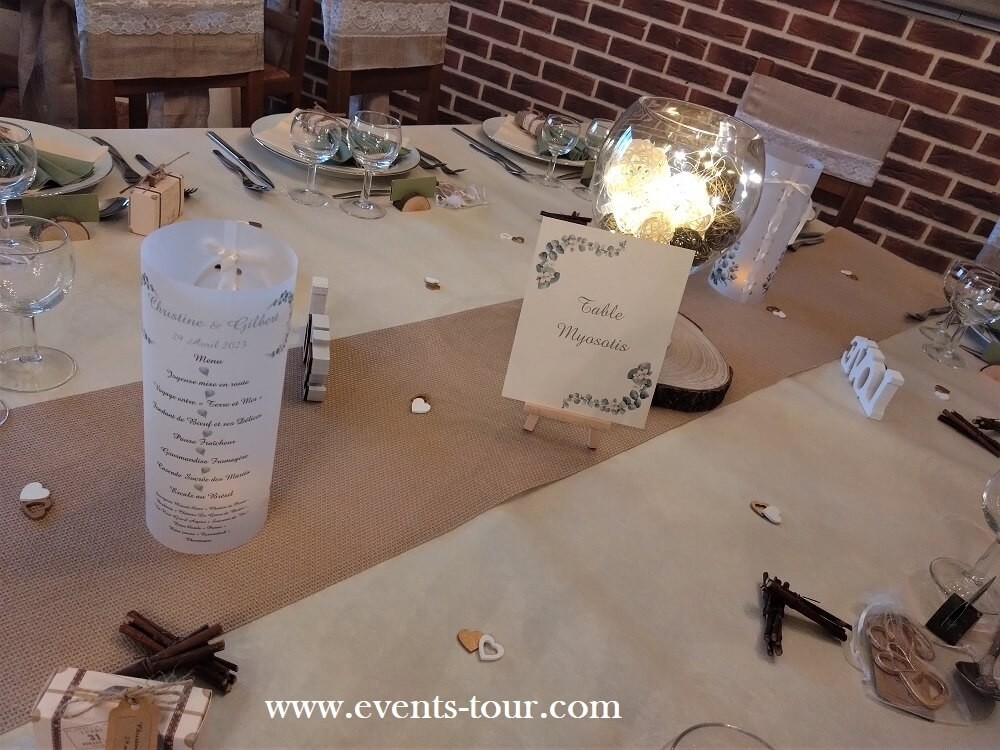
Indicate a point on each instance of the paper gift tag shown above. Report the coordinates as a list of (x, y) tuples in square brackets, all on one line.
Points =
[(81, 206), (425, 186), (133, 725)]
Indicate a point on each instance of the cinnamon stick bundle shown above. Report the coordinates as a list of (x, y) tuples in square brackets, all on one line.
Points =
[(168, 652), (964, 427)]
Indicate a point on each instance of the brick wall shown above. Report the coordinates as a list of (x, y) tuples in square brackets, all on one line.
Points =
[(937, 193)]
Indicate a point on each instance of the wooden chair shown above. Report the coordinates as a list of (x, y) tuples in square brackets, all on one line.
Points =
[(851, 142), (286, 34), (134, 65), (377, 46)]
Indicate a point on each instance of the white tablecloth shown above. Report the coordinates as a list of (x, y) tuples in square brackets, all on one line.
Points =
[(634, 581)]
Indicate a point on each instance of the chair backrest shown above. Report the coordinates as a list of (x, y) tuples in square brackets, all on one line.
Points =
[(850, 142), (373, 34), (286, 34)]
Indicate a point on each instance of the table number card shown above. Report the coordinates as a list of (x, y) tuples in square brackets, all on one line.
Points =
[(216, 311), (596, 322)]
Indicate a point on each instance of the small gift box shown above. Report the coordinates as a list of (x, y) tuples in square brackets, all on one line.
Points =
[(74, 709), (156, 201)]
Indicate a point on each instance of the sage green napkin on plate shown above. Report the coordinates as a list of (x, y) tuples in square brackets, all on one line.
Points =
[(343, 157), (60, 170), (579, 152)]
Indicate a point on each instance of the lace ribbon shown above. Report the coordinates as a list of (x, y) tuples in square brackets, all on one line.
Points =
[(143, 17), (765, 249), (344, 18), (836, 161)]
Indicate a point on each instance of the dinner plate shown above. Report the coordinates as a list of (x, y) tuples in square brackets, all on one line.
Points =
[(102, 167), (402, 165), (492, 129)]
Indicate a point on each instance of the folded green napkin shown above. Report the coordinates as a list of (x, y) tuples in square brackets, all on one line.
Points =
[(59, 169), (579, 152)]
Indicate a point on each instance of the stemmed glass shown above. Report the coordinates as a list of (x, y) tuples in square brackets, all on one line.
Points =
[(315, 136), (597, 134), (975, 300), (36, 272), (18, 165), (957, 270), (560, 134), (375, 140), (956, 577)]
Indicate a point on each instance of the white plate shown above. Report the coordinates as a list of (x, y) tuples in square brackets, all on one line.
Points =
[(102, 168), (402, 166), (492, 128)]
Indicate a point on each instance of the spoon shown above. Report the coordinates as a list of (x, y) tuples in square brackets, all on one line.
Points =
[(247, 182), (980, 674), (113, 208)]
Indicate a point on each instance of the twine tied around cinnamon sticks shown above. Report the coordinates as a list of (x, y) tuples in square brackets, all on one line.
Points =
[(121, 692), (169, 653)]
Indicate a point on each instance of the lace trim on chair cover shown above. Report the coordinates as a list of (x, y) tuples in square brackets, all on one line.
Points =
[(343, 18), (861, 170), (143, 17)]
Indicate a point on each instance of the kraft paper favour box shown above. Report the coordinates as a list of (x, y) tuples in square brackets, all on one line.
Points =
[(60, 722), (155, 202)]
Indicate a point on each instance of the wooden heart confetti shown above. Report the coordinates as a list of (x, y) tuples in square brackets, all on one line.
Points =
[(769, 512), (419, 406), (35, 502), (431, 283), (469, 639), (942, 393), (519, 240), (489, 649), (33, 491), (849, 274)]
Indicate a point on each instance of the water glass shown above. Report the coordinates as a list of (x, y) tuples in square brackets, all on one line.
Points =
[(315, 136), (18, 166), (560, 134), (976, 301), (957, 270), (597, 134), (375, 139), (36, 273)]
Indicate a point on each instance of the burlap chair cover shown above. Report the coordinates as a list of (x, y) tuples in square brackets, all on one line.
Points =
[(366, 34), (850, 142)]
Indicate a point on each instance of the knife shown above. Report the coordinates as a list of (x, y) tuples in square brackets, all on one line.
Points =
[(249, 165), (512, 166), (130, 175)]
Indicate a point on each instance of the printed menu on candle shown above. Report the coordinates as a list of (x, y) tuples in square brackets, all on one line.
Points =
[(215, 321), (596, 322)]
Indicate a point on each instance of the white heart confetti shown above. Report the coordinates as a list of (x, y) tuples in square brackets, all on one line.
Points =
[(772, 514), (419, 406), (489, 649), (779, 314), (431, 283), (33, 492), (506, 236)]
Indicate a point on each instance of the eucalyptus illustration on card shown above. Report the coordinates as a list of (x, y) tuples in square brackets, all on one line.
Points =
[(596, 322)]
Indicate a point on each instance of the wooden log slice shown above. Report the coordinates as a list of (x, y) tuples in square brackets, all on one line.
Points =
[(695, 376)]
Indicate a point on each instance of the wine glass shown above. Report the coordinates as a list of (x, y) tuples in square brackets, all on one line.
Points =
[(956, 577), (560, 134), (18, 165), (975, 300), (315, 136), (375, 140), (597, 134), (957, 270), (36, 272)]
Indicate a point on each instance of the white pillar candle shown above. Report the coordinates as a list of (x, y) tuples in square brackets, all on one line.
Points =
[(216, 312)]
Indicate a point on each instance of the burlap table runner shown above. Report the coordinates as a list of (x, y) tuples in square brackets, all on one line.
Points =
[(358, 479)]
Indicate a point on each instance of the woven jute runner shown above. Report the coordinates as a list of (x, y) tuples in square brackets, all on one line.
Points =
[(358, 479)]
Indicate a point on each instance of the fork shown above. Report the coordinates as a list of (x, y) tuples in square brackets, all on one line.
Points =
[(429, 161), (247, 182)]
